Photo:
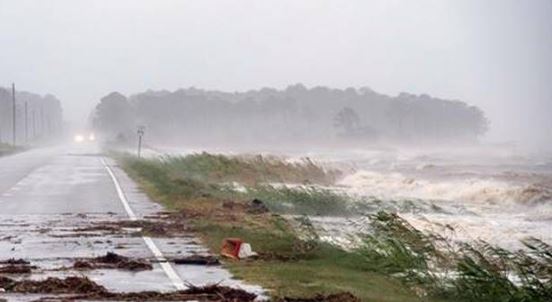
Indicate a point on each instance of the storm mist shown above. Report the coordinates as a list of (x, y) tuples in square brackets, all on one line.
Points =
[(296, 116), (492, 56), (291, 150)]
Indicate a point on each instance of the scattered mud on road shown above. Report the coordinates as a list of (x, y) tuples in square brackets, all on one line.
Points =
[(82, 288), (159, 226), (16, 266), (113, 261), (197, 260), (52, 285), (14, 262), (59, 258), (16, 269), (341, 297)]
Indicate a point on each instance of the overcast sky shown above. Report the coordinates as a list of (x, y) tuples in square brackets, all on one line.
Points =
[(493, 54)]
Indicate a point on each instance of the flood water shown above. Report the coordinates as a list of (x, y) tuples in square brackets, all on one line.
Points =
[(492, 195), (495, 194)]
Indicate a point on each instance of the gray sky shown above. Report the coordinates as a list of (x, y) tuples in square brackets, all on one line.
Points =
[(494, 54)]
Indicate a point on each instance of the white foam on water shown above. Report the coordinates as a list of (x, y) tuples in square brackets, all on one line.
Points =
[(474, 190), (496, 211)]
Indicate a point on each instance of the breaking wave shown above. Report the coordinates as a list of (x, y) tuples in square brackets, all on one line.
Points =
[(398, 186)]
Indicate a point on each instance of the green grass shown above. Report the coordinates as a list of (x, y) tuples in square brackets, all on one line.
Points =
[(291, 267), (311, 200), (485, 273), (289, 264), (211, 176), (469, 272), (396, 262), (331, 271), (251, 170)]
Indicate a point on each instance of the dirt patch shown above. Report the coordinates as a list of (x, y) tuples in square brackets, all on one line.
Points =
[(69, 285), (197, 260), (340, 297), (113, 261)]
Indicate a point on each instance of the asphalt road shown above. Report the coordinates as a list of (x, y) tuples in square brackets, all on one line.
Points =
[(47, 193)]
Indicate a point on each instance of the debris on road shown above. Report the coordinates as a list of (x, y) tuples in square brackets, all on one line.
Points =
[(80, 288), (52, 285), (340, 297), (16, 269), (113, 261), (14, 261), (231, 248), (235, 248), (224, 292), (257, 206), (161, 226), (246, 251), (197, 260), (15, 266), (79, 250)]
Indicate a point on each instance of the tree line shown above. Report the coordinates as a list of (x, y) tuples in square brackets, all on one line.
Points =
[(37, 117), (296, 114)]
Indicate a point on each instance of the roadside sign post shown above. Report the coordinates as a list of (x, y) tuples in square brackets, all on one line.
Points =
[(141, 130)]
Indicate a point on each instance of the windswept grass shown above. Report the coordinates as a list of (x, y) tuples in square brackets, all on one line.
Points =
[(247, 170), (290, 264), (311, 201), (469, 272), (212, 176), (396, 262), (490, 273)]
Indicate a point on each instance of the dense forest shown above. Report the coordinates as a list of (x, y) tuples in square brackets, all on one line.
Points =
[(293, 115), (41, 120)]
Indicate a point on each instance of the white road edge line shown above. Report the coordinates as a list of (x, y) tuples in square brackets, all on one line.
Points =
[(165, 265)]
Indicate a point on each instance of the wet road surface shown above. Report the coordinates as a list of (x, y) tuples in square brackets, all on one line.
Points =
[(47, 194)]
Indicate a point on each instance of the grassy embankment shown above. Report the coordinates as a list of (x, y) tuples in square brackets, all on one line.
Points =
[(291, 264), (395, 263)]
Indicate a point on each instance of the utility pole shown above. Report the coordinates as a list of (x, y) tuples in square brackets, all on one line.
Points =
[(42, 122), (34, 123), (140, 132), (13, 115), (26, 124)]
